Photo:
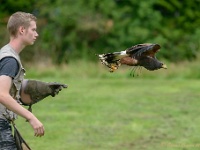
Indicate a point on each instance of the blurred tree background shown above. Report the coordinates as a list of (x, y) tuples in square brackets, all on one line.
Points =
[(77, 29)]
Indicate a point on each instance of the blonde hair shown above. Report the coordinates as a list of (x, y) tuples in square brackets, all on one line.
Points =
[(19, 19)]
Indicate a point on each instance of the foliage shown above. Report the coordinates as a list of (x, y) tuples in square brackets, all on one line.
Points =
[(11, 6), (75, 29)]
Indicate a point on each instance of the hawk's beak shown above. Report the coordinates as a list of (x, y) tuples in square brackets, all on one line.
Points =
[(164, 66)]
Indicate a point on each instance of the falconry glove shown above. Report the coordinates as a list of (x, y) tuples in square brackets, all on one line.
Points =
[(38, 90)]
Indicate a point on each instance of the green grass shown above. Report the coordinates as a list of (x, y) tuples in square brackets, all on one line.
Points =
[(103, 111)]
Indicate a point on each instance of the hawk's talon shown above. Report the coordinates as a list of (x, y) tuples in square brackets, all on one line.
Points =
[(111, 65)]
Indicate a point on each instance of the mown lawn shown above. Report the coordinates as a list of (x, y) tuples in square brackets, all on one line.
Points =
[(110, 113)]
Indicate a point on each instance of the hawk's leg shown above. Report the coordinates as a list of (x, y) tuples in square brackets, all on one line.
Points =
[(114, 66)]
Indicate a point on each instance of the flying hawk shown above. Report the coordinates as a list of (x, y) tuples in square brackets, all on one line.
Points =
[(138, 55)]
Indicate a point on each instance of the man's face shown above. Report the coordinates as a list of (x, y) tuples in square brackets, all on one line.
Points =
[(30, 34)]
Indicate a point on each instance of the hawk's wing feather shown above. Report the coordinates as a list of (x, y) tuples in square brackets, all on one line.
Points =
[(146, 49)]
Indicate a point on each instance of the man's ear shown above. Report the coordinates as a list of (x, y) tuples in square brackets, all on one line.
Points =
[(21, 30)]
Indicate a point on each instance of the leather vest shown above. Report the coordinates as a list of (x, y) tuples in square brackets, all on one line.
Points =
[(7, 51)]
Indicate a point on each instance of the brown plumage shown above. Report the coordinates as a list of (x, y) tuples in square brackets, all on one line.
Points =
[(138, 55)]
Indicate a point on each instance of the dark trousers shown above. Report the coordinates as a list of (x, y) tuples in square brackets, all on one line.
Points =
[(6, 138)]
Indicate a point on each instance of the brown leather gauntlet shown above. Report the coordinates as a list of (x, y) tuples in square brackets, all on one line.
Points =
[(38, 90)]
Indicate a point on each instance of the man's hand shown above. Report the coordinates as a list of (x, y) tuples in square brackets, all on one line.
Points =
[(37, 126)]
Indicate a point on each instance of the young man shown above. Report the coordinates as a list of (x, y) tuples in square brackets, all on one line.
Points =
[(14, 90)]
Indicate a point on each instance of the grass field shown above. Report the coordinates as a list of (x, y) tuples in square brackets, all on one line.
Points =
[(102, 111)]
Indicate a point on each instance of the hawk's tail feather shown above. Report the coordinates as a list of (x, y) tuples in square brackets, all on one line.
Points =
[(111, 60), (112, 57)]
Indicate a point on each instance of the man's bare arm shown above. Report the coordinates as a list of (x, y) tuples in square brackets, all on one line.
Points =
[(11, 104)]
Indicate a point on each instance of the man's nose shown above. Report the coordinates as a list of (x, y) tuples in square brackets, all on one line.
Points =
[(37, 34)]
